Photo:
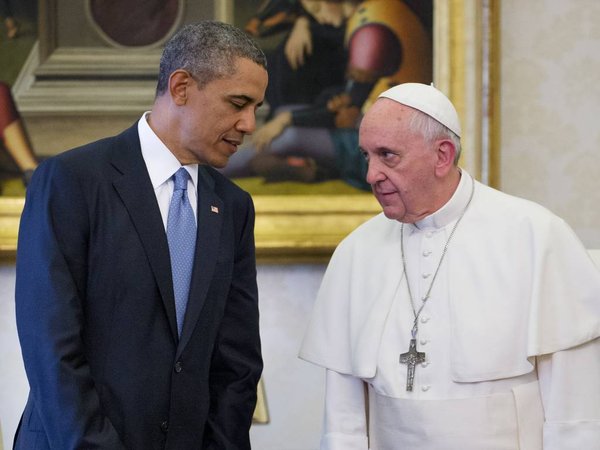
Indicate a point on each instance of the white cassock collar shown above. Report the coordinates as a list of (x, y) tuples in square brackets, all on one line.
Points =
[(451, 211)]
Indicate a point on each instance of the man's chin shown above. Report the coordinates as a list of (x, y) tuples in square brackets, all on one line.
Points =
[(391, 212), (220, 163)]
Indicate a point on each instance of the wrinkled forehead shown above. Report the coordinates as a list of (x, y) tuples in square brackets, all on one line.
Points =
[(387, 124), (386, 113)]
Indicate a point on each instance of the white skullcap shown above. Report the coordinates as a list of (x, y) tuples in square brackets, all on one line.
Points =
[(428, 100)]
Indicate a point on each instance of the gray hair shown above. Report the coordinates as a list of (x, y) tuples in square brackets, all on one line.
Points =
[(207, 50), (432, 130)]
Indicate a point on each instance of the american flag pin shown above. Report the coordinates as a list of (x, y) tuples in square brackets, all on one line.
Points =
[(214, 209)]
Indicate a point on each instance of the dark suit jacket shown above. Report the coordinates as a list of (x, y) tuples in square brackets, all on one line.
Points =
[(96, 314)]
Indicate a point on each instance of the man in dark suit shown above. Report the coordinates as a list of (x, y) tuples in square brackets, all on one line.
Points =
[(112, 362)]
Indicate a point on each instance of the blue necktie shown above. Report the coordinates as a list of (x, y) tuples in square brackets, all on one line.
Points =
[(181, 235)]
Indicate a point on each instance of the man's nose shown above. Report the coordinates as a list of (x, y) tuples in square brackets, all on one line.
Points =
[(374, 173), (247, 122)]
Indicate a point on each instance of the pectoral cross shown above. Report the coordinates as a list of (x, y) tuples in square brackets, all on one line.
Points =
[(411, 358)]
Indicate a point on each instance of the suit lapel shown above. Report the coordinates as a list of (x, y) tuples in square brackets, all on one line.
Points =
[(135, 189), (210, 220)]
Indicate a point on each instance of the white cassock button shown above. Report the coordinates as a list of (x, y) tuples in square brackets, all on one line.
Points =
[(424, 363), (423, 341), (424, 319), (425, 388), (428, 234), (426, 275), (426, 253)]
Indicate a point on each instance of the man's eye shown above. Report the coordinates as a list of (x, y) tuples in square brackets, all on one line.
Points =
[(389, 158)]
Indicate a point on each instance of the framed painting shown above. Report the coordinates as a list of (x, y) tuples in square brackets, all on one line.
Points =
[(294, 222)]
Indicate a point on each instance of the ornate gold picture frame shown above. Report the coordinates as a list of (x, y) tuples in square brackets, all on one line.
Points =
[(306, 228)]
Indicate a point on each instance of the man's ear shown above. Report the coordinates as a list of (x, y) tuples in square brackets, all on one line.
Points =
[(446, 151), (179, 83)]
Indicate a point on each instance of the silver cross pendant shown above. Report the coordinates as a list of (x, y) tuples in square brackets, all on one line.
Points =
[(411, 358)]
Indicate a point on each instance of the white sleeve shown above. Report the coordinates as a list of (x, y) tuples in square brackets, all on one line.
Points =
[(345, 423), (570, 389)]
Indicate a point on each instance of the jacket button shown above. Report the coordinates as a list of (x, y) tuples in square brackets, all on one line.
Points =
[(178, 367), (164, 426)]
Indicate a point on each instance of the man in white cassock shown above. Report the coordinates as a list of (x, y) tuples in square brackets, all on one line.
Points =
[(461, 318)]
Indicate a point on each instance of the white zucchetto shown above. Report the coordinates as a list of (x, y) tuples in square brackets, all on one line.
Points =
[(428, 100)]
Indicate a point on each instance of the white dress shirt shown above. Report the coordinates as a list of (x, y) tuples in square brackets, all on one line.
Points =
[(162, 165)]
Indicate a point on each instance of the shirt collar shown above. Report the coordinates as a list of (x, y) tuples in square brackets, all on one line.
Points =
[(160, 162), (451, 210)]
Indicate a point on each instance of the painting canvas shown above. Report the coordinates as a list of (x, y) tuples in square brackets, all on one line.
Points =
[(327, 62), (18, 33), (307, 197), (308, 177)]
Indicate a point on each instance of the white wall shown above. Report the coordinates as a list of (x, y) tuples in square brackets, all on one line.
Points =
[(294, 388), (13, 384), (550, 100)]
